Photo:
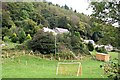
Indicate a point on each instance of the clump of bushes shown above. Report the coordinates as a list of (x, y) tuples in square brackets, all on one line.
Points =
[(90, 46), (44, 42), (6, 39), (101, 49), (14, 38), (21, 47)]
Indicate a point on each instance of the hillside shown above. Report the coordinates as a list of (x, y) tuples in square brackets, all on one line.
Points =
[(21, 20)]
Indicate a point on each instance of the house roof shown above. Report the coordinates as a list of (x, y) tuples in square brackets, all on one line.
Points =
[(48, 29), (56, 30), (60, 30)]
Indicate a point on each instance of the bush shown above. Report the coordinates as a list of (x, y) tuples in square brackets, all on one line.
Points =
[(28, 37), (21, 47), (44, 42), (101, 50), (14, 38), (78, 46), (21, 35), (6, 39), (26, 44), (90, 46)]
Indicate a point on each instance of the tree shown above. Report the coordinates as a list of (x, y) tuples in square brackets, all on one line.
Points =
[(75, 11), (6, 39), (108, 12), (63, 22), (77, 46), (21, 35), (90, 46), (96, 36), (66, 7), (5, 32), (28, 37), (14, 38), (24, 14), (6, 19), (29, 26), (43, 42)]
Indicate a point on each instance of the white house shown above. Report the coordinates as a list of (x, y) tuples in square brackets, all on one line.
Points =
[(109, 47), (60, 30), (49, 30), (99, 46), (56, 30)]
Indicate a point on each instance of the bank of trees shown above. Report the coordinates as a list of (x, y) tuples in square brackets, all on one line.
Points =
[(21, 21)]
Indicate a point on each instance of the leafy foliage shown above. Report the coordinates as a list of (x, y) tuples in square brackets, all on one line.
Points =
[(108, 12), (101, 50), (31, 17), (6, 39), (112, 69), (21, 35), (90, 46), (43, 42), (14, 38)]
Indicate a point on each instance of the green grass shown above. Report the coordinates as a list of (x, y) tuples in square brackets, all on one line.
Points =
[(9, 45), (41, 68)]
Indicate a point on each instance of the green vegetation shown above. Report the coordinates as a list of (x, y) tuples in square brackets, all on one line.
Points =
[(22, 25), (101, 49), (9, 45), (21, 19), (44, 42), (107, 12), (90, 46)]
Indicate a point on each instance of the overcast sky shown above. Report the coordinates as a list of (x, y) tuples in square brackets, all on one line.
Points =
[(79, 5)]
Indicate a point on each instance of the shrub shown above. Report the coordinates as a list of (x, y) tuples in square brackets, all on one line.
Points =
[(14, 38), (101, 50), (78, 46), (90, 46), (28, 37), (26, 44), (21, 47), (6, 39), (21, 36), (44, 42)]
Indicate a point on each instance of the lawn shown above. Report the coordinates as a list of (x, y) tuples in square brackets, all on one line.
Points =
[(27, 66), (9, 45)]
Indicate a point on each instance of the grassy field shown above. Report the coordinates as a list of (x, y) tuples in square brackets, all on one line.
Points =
[(41, 68), (9, 45)]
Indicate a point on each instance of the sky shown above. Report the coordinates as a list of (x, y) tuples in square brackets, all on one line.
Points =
[(79, 5)]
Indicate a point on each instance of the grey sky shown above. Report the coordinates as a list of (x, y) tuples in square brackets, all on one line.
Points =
[(79, 5)]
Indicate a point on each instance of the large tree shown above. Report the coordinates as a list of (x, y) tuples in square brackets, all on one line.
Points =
[(108, 12)]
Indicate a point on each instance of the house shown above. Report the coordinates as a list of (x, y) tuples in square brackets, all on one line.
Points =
[(60, 30), (99, 46), (49, 30), (56, 30), (109, 47)]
